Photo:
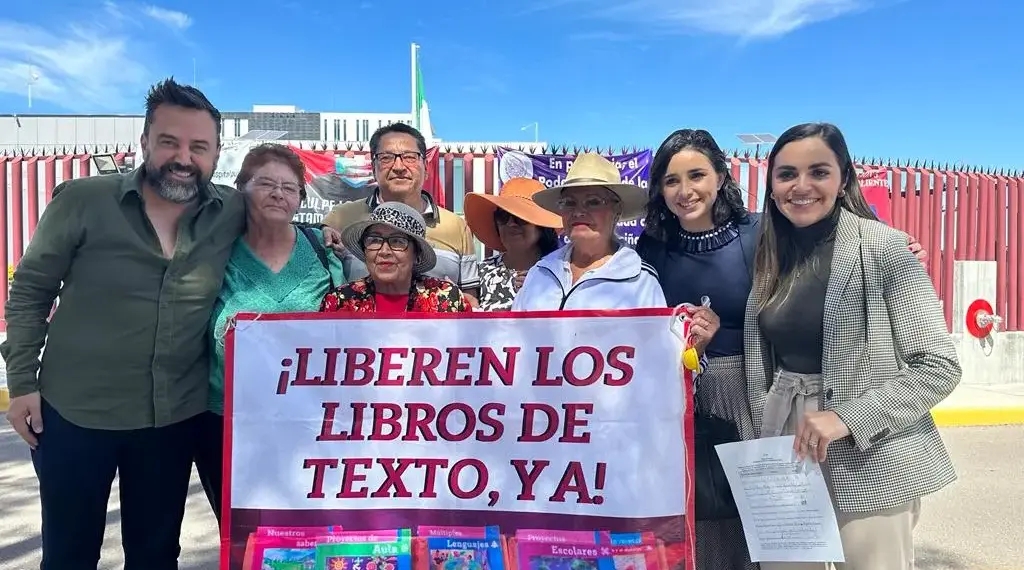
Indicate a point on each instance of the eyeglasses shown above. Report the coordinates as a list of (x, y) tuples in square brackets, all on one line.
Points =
[(502, 217), (267, 185), (408, 158), (589, 204), (373, 242)]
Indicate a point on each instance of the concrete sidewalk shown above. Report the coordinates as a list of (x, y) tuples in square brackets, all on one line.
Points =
[(973, 524), (974, 405)]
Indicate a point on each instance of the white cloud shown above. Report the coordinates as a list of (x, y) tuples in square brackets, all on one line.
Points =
[(95, 64), (113, 10), (747, 19), (172, 18)]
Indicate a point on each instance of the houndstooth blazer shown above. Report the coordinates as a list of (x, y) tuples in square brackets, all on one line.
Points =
[(887, 360)]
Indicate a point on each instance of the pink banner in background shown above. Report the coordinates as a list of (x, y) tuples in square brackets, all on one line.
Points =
[(875, 186)]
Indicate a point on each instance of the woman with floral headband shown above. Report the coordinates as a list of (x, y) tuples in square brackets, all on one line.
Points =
[(393, 244)]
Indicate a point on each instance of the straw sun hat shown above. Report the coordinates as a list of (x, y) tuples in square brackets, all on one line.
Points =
[(398, 216), (591, 170), (515, 198)]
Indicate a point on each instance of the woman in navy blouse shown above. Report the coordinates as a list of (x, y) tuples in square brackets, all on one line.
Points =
[(701, 239)]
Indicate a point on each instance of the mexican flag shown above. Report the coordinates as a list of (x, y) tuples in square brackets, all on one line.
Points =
[(420, 111)]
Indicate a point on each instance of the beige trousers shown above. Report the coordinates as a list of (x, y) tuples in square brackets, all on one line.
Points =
[(878, 540)]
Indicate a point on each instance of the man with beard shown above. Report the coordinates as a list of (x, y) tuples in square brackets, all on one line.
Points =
[(137, 260)]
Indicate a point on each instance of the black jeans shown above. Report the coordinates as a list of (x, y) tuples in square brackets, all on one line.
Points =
[(209, 457), (76, 466)]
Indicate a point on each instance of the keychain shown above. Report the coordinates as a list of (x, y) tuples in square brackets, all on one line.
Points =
[(691, 360)]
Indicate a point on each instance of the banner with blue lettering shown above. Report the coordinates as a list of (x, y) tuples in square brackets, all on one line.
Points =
[(550, 169)]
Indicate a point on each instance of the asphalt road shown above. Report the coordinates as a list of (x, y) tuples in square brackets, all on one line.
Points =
[(973, 525)]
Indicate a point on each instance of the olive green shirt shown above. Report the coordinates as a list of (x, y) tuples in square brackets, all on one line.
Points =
[(126, 347)]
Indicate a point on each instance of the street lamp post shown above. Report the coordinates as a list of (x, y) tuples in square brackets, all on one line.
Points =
[(536, 130)]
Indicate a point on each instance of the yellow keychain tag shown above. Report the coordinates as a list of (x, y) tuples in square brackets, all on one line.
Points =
[(690, 359)]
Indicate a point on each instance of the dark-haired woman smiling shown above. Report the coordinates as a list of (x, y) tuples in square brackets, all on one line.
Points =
[(701, 239), (847, 349)]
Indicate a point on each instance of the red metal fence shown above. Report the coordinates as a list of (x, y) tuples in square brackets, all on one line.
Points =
[(957, 213)]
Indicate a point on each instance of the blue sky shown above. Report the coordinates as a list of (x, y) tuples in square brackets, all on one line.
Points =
[(928, 79)]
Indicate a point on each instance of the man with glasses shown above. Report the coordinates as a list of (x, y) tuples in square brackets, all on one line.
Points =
[(399, 155)]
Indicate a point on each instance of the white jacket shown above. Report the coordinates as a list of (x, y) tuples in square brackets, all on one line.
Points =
[(624, 282)]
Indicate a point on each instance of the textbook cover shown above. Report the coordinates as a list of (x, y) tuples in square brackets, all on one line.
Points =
[(563, 556), (395, 555), (463, 548)]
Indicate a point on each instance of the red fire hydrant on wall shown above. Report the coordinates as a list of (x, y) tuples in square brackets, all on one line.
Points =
[(981, 319)]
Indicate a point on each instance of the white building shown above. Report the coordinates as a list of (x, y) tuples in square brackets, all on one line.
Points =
[(49, 133), (41, 134)]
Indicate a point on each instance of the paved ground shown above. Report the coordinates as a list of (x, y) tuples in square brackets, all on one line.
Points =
[(974, 525)]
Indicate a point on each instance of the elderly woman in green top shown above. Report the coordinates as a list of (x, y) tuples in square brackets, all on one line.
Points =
[(275, 267)]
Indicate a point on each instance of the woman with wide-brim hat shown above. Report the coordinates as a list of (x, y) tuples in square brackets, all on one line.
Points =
[(594, 270), (393, 245), (520, 231)]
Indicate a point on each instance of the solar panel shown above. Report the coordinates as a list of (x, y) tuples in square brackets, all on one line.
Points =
[(763, 138), (264, 135)]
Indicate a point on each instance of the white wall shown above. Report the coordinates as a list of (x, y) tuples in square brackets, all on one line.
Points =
[(56, 131), (356, 127)]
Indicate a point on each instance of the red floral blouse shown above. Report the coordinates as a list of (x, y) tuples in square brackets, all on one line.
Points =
[(427, 295)]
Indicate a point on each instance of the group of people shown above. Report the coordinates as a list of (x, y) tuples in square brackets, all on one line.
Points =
[(822, 324)]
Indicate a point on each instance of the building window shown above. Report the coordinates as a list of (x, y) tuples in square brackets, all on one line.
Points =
[(238, 127), (366, 129), (344, 131), (359, 134), (337, 129), (325, 129)]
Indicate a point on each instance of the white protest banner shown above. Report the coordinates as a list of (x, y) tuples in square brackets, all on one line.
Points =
[(332, 176), (330, 179), (561, 420)]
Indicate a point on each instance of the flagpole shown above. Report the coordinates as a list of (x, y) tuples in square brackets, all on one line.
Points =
[(32, 78), (415, 112), (536, 130)]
